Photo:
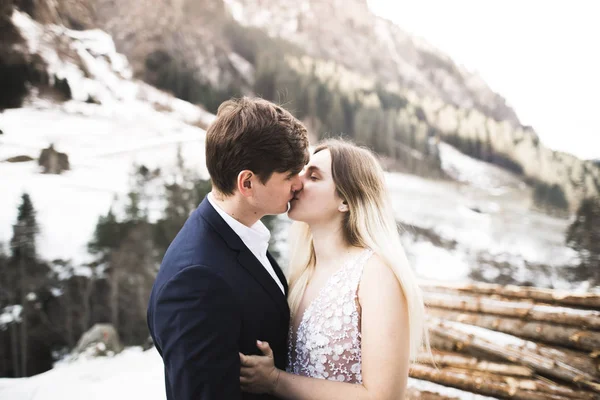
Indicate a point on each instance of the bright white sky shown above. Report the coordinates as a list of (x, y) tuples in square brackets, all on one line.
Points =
[(542, 56)]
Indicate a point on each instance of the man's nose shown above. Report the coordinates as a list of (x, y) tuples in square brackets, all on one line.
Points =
[(297, 185)]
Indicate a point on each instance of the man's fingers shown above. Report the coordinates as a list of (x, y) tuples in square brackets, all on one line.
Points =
[(247, 361), (265, 348), (247, 372)]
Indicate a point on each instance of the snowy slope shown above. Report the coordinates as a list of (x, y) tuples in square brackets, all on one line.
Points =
[(102, 150), (134, 123), (486, 212), (133, 374)]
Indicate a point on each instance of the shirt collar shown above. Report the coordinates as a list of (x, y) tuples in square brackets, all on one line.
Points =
[(256, 237)]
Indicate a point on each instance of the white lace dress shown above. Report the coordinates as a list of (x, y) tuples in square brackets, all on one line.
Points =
[(327, 343)]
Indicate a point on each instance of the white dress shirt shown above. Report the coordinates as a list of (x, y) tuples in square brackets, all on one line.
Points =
[(256, 238)]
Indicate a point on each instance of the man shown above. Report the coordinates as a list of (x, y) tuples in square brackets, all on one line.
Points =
[(218, 290)]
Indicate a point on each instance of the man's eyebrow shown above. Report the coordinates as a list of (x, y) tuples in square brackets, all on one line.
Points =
[(294, 172)]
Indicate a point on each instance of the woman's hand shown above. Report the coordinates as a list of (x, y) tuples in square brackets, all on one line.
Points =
[(258, 373)]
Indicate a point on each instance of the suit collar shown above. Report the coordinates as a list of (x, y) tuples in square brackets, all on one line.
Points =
[(256, 237), (245, 256), (210, 215)]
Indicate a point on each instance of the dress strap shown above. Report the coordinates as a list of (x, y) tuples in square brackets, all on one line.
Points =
[(359, 265)]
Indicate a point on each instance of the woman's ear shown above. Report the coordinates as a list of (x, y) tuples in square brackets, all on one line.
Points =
[(343, 207)]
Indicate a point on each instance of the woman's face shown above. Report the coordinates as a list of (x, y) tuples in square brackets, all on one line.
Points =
[(318, 201)]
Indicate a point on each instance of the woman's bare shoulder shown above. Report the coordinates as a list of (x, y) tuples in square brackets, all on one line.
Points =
[(378, 279)]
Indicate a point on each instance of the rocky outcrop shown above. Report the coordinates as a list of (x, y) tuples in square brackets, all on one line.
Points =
[(101, 339), (17, 69), (186, 34), (577, 178), (75, 14), (372, 46), (53, 162)]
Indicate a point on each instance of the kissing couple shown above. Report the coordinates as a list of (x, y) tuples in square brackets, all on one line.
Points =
[(346, 322)]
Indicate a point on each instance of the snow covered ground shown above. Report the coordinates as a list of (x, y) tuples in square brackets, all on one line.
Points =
[(488, 213), (102, 150), (133, 374)]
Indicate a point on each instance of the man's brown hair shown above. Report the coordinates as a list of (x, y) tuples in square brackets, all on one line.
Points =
[(257, 135)]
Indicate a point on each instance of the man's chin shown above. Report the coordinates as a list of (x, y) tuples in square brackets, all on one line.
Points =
[(290, 211), (282, 210)]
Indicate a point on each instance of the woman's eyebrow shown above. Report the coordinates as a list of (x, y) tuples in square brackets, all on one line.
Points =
[(314, 168)]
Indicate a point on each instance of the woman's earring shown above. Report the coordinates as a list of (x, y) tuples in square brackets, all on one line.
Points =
[(343, 207)]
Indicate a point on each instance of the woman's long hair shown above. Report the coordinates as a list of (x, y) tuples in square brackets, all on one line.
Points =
[(369, 223)]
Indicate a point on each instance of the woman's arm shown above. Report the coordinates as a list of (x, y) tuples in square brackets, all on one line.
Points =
[(385, 350)]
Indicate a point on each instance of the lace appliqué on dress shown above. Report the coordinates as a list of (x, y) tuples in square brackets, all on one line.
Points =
[(328, 340)]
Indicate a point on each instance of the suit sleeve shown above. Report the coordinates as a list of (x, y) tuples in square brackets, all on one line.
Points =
[(198, 323)]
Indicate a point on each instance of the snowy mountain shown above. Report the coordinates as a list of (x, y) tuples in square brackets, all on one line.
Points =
[(364, 43), (458, 103), (483, 219), (214, 47), (132, 123)]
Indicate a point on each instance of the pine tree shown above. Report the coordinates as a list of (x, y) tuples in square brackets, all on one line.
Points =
[(182, 196), (25, 231), (583, 234), (389, 133), (335, 118), (107, 236), (550, 198), (28, 271), (265, 76), (4, 283)]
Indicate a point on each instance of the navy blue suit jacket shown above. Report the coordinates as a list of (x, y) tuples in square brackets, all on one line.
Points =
[(212, 299)]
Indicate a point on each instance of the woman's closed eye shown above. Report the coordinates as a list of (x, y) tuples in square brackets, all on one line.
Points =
[(313, 177)]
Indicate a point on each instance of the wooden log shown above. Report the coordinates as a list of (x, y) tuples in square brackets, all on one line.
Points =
[(526, 311), (503, 387), (588, 365), (450, 359), (416, 394), (549, 296), (418, 389), (537, 331), (537, 383), (547, 361), (443, 343)]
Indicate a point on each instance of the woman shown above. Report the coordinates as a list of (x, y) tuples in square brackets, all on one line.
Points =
[(357, 311)]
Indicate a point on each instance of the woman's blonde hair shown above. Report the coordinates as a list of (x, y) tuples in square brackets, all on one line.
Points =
[(369, 223)]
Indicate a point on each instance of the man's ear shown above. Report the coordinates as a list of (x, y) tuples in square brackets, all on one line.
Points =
[(244, 182)]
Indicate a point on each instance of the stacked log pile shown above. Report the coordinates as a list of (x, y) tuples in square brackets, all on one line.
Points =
[(508, 342)]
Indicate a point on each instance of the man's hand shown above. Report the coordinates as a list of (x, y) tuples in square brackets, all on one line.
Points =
[(258, 373)]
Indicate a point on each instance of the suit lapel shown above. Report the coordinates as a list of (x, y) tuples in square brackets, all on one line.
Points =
[(245, 257), (260, 274), (279, 273)]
